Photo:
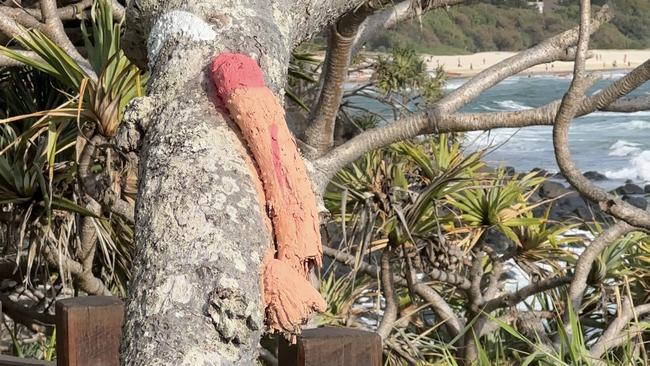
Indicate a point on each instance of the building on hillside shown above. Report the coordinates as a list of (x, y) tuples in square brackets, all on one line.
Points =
[(539, 5), (550, 6)]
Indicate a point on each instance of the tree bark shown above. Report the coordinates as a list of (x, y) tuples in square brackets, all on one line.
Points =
[(195, 297)]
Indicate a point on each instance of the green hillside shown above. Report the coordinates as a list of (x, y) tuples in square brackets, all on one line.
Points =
[(509, 27)]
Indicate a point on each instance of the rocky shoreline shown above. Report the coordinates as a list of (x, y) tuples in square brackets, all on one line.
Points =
[(567, 204)]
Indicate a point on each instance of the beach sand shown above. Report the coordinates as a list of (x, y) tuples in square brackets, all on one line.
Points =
[(468, 65)]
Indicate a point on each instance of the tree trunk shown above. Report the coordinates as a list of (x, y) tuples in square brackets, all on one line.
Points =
[(195, 297)]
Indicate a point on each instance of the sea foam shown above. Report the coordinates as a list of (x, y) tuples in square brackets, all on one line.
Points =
[(624, 148), (636, 125), (639, 168), (512, 105)]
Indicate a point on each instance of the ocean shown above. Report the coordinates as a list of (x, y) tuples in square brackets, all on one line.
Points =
[(614, 144)]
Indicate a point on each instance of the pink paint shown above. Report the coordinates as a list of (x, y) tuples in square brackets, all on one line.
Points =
[(277, 158), (231, 71), (293, 216)]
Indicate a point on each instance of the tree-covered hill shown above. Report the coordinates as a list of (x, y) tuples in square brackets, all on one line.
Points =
[(509, 27)]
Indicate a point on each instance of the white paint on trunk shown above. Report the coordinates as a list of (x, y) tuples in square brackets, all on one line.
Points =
[(177, 23)]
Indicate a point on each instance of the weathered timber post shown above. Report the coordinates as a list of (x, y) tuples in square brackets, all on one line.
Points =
[(88, 331), (332, 347)]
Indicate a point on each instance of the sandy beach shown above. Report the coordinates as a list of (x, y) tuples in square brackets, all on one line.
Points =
[(461, 66), (467, 65)]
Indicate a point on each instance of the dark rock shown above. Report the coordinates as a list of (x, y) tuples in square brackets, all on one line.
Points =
[(571, 203), (509, 170), (646, 189), (558, 175), (534, 197), (628, 189), (584, 213), (485, 169), (550, 189), (540, 172), (593, 175), (639, 202), (496, 240), (570, 206)]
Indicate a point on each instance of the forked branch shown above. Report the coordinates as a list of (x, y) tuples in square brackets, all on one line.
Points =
[(555, 48)]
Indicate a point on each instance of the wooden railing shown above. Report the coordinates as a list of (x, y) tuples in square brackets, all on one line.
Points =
[(88, 331)]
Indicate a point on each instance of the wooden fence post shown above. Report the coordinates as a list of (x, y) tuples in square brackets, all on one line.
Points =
[(88, 331), (332, 347)]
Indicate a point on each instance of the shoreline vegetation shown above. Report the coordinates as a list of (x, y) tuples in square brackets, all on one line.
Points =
[(463, 66)]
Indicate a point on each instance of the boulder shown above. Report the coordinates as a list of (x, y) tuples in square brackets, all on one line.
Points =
[(509, 170), (550, 189), (571, 203), (540, 172), (594, 175), (628, 189), (636, 201), (485, 169), (646, 189)]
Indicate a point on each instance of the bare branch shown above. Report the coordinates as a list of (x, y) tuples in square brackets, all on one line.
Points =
[(567, 111), (55, 30), (475, 277), (552, 49), (587, 258), (452, 279), (606, 99), (494, 279), (630, 104), (38, 322), (8, 61), (320, 133), (492, 326), (319, 13), (440, 307), (390, 17), (9, 26), (125, 209), (512, 299), (614, 335), (86, 281), (31, 17), (388, 286), (88, 236)]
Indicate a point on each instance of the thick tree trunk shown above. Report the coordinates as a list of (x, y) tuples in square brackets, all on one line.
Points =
[(195, 298)]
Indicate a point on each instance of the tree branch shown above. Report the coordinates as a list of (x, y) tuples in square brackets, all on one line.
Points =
[(390, 17), (8, 61), (371, 270), (587, 258), (320, 133), (86, 281), (567, 111), (34, 320), (513, 298), (555, 48), (88, 236), (9, 25), (612, 336), (630, 104), (388, 286), (494, 278), (55, 30), (475, 277), (315, 14), (440, 307)]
